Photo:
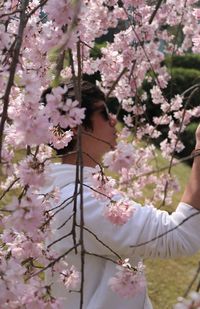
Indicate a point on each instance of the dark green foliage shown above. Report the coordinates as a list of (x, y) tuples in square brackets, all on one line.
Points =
[(182, 79), (188, 138), (185, 72), (188, 61)]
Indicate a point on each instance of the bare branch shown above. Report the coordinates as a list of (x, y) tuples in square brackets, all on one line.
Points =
[(10, 13), (53, 262), (8, 189), (116, 82), (192, 282), (155, 11), (165, 233), (100, 241)]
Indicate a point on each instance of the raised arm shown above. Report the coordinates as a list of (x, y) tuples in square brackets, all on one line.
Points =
[(191, 194)]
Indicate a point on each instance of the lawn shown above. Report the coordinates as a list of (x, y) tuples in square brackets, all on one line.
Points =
[(169, 279)]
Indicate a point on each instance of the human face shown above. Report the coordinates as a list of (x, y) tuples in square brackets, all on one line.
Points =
[(103, 136), (104, 124)]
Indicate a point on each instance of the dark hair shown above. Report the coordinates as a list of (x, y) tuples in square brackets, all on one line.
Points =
[(90, 94)]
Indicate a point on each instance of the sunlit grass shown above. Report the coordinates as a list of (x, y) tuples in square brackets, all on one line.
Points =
[(169, 279)]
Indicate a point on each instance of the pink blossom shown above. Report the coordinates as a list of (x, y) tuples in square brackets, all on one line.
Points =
[(71, 115), (165, 187), (70, 278), (32, 172), (127, 105), (62, 13), (128, 281), (197, 13), (119, 212), (122, 157), (196, 43), (156, 95), (5, 38), (128, 120), (104, 185), (60, 139), (134, 51), (176, 103), (27, 214)]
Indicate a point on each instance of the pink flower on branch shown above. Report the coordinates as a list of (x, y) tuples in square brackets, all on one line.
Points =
[(119, 212), (70, 277), (128, 281), (59, 138), (32, 172)]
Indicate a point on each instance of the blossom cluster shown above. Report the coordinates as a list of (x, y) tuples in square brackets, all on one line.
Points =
[(128, 281), (41, 43)]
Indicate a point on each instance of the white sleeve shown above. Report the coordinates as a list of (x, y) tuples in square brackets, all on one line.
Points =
[(174, 235)]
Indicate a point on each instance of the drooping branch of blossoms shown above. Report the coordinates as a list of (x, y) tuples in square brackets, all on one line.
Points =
[(33, 124), (116, 82), (80, 167), (142, 46), (35, 9), (16, 51), (55, 261), (165, 168), (158, 4), (177, 140)]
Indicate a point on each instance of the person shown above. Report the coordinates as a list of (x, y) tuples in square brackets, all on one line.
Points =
[(98, 136)]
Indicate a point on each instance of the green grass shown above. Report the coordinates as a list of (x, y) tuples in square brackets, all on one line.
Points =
[(169, 279)]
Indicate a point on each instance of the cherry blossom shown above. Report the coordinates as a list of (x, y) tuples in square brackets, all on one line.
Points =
[(128, 281), (70, 278), (122, 157), (133, 56), (119, 212)]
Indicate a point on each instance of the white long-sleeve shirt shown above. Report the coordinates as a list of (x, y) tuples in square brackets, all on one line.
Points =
[(146, 223)]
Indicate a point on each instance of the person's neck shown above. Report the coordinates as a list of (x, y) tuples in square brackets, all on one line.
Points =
[(87, 160)]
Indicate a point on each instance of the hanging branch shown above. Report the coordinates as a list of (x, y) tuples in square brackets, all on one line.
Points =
[(116, 82), (176, 143), (167, 232), (155, 11), (192, 282), (15, 59), (80, 160)]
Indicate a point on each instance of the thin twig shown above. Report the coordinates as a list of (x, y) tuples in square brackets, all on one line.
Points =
[(8, 189), (116, 82), (192, 282), (53, 262), (101, 193), (59, 239), (165, 233), (102, 257), (100, 241), (42, 3), (10, 13)]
